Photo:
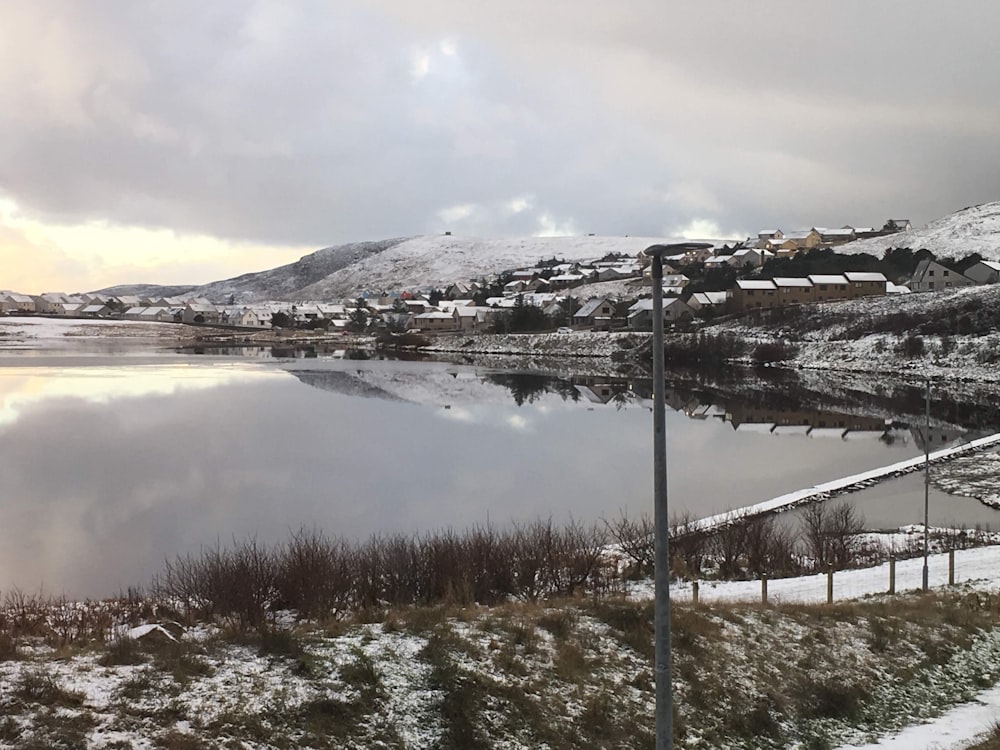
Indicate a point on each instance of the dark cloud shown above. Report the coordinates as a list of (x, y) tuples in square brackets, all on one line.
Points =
[(314, 123)]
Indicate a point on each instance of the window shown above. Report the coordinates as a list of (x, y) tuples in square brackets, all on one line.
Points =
[(931, 272), (930, 285), (947, 272)]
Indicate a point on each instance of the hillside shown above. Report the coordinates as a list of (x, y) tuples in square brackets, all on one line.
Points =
[(345, 271), (290, 281), (972, 230)]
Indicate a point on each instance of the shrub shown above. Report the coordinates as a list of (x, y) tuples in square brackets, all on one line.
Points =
[(769, 352), (912, 346)]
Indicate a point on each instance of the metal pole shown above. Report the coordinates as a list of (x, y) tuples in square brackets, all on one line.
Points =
[(661, 524), (927, 479), (661, 520)]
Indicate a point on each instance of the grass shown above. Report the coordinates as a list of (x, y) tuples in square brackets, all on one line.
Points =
[(565, 673)]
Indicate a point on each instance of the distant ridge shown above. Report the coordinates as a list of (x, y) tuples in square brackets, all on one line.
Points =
[(409, 263)]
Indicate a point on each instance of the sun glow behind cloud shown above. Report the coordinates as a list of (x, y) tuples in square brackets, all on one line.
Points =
[(37, 257)]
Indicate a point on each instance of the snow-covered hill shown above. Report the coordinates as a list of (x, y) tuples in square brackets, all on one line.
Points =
[(412, 263), (972, 230)]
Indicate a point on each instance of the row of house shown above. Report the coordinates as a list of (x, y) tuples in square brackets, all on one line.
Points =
[(776, 241), (765, 294)]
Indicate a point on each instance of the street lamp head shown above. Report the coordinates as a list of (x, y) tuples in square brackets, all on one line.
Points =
[(676, 248)]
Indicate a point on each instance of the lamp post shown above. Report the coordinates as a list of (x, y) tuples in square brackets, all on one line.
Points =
[(661, 521), (927, 478)]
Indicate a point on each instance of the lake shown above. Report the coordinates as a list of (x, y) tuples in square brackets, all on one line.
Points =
[(111, 464)]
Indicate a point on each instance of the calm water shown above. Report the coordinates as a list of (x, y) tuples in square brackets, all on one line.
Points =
[(111, 465)]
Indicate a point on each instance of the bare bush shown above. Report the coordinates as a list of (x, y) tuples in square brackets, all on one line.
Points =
[(831, 534)]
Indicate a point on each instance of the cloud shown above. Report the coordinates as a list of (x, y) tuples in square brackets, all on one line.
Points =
[(309, 124)]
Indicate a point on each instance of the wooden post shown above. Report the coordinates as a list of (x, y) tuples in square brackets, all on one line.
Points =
[(951, 567), (694, 592), (829, 586), (763, 588), (892, 574)]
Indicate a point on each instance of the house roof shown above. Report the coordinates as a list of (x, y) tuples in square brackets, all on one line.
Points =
[(755, 284), (710, 298), (792, 281), (990, 264), (865, 276), (590, 307), (827, 279)]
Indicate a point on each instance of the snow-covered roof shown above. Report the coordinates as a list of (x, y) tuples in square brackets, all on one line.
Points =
[(755, 284), (590, 306), (827, 279), (864, 276), (792, 281), (710, 298)]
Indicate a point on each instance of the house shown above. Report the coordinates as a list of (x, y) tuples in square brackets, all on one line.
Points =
[(96, 310), (750, 256), (793, 291), (566, 280), (866, 283), (435, 321), (199, 313), (640, 314), (984, 272), (51, 303), (674, 283), (752, 294), (597, 311), (702, 302), (766, 235), (830, 237), (931, 276), (466, 317), (69, 309), (828, 287), (17, 303), (896, 225), (794, 242)]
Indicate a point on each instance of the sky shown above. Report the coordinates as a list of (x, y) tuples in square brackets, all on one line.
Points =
[(185, 142)]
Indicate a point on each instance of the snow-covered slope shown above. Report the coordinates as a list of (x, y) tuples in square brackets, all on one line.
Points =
[(287, 282), (972, 230), (439, 260), (413, 263)]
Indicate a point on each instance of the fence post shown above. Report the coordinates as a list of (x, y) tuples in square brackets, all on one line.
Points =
[(951, 567), (763, 588), (829, 586), (892, 574), (694, 592)]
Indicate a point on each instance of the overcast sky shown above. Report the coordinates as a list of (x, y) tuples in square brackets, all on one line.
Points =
[(190, 141)]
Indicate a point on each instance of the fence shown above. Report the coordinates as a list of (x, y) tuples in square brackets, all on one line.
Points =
[(894, 576)]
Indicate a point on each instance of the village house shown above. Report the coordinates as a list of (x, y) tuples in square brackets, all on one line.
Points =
[(198, 313), (702, 302), (640, 314), (831, 237), (931, 276), (752, 294), (97, 310), (984, 272), (793, 291), (17, 303), (750, 257), (866, 283), (435, 320), (597, 312), (828, 287), (765, 236)]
